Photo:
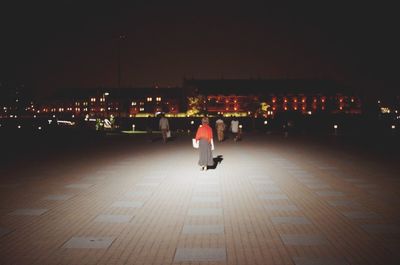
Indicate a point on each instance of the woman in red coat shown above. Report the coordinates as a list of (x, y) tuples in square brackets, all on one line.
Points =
[(204, 136)]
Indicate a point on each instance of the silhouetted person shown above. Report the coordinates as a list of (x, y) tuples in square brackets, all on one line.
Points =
[(220, 127), (164, 127), (235, 129), (149, 128)]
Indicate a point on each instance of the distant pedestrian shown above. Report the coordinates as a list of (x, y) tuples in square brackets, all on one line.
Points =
[(164, 127), (204, 136), (149, 128), (220, 127), (235, 129)]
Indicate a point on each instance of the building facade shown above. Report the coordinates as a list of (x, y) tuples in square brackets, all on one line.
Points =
[(245, 97)]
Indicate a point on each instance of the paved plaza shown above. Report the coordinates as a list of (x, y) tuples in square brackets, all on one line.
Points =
[(270, 200)]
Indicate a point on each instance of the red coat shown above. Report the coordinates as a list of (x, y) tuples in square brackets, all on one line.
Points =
[(204, 132)]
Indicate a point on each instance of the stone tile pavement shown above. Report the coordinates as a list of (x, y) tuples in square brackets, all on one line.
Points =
[(270, 201)]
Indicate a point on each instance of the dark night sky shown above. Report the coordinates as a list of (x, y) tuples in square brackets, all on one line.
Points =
[(57, 45)]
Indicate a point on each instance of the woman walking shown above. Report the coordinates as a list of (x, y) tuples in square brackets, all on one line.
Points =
[(204, 136)]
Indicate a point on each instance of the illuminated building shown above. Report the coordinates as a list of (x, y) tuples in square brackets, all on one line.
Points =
[(281, 95)]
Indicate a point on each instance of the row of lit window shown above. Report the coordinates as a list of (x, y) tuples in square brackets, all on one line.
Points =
[(158, 109), (303, 108), (149, 99), (75, 109)]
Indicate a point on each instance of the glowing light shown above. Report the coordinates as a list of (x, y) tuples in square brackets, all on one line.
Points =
[(34, 116), (106, 94), (385, 110), (240, 126), (265, 122), (335, 126), (309, 112), (39, 128), (49, 121), (65, 122), (192, 122), (19, 126), (54, 116), (393, 126)]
